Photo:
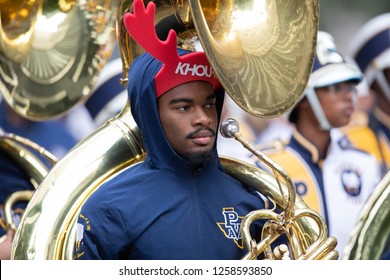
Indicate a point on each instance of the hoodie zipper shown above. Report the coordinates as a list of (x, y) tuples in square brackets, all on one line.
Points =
[(197, 212)]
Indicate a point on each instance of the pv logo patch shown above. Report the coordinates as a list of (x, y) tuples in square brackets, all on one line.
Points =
[(231, 226)]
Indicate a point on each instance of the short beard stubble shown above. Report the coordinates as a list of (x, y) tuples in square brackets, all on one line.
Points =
[(199, 159)]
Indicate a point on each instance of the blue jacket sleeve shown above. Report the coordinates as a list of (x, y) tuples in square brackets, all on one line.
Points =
[(101, 234)]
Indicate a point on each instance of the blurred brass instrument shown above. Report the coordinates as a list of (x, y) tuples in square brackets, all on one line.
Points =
[(8, 210), (52, 51), (20, 150), (264, 64), (370, 238)]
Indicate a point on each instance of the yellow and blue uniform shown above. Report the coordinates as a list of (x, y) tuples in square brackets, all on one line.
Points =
[(370, 49), (342, 181), (380, 123), (370, 133)]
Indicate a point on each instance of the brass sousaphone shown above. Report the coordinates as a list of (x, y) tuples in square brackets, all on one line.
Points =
[(52, 51), (262, 52)]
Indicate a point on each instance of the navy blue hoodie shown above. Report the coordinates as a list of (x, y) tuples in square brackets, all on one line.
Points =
[(161, 208)]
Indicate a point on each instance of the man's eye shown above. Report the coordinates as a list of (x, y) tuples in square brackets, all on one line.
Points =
[(183, 108)]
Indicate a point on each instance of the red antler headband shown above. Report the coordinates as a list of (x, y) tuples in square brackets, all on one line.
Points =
[(176, 70)]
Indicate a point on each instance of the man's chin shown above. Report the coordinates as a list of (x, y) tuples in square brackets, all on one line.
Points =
[(199, 158)]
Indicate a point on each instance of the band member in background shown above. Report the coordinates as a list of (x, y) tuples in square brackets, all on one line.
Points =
[(370, 48), (329, 173), (109, 96)]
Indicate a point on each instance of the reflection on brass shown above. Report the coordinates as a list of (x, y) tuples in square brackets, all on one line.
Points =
[(17, 23), (21, 150), (51, 53), (262, 51), (371, 235)]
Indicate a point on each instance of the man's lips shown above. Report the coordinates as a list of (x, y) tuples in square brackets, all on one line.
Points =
[(203, 137)]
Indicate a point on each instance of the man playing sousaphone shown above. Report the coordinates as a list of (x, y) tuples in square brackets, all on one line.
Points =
[(178, 203)]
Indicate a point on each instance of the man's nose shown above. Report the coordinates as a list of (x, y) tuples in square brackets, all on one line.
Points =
[(201, 117)]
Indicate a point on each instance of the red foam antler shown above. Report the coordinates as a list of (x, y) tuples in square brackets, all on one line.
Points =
[(140, 24), (176, 69)]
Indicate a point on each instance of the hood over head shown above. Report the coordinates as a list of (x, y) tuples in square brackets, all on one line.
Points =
[(152, 74), (144, 109)]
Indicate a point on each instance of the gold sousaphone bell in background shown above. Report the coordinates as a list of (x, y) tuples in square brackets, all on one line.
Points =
[(52, 51), (261, 50)]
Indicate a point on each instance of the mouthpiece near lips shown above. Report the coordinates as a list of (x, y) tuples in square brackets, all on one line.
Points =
[(229, 128)]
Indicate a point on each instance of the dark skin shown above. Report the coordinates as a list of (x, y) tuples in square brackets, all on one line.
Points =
[(189, 119), (338, 106)]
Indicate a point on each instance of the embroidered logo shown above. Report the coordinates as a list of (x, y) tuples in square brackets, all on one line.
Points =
[(300, 188), (352, 182), (82, 224), (231, 226)]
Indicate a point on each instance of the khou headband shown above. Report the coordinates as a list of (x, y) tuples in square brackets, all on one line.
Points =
[(176, 70)]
